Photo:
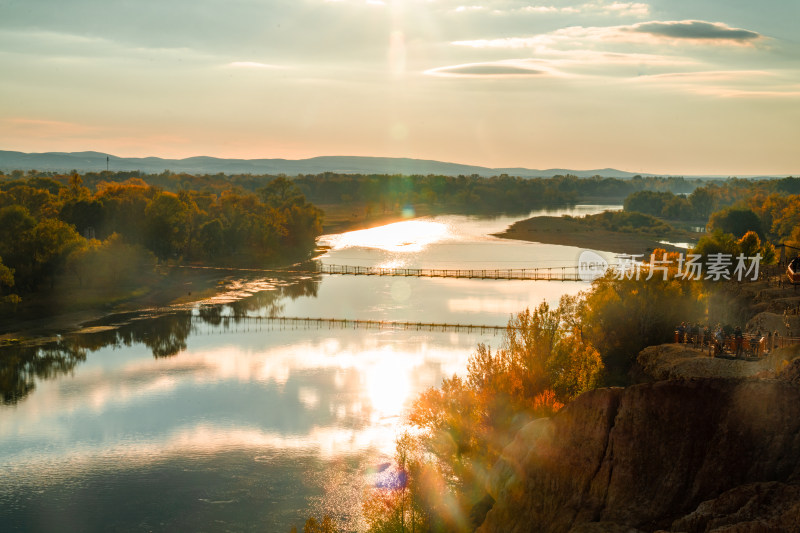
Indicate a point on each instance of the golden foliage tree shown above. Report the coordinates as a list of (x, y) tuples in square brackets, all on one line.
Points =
[(461, 428)]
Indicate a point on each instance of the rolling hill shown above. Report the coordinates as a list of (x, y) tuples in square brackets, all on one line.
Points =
[(96, 161)]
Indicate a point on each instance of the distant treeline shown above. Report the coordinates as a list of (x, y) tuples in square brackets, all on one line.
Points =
[(476, 193), (771, 208), (115, 233)]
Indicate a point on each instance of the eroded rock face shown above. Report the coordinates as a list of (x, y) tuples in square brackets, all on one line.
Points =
[(791, 372), (756, 507), (645, 456), (680, 361)]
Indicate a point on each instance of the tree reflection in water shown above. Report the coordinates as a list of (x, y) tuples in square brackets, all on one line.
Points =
[(270, 303), (165, 335), (20, 366)]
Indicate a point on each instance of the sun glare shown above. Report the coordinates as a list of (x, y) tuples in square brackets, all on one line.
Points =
[(388, 386), (409, 236)]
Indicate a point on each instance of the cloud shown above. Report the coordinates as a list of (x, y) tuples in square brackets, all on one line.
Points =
[(57, 45), (558, 57), (694, 29), (547, 9), (467, 9), (711, 75), (251, 64), (621, 9), (499, 69), (626, 9), (655, 32), (727, 83)]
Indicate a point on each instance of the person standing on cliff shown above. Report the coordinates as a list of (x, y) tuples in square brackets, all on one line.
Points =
[(738, 340), (719, 340)]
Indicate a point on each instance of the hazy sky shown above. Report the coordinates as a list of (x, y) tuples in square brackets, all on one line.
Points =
[(668, 86)]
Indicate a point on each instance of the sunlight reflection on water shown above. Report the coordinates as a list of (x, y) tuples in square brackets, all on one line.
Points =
[(408, 236), (208, 421)]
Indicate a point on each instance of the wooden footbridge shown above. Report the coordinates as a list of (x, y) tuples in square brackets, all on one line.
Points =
[(566, 273), (528, 274), (251, 322)]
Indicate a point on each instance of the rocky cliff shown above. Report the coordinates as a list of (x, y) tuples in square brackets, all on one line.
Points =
[(693, 455)]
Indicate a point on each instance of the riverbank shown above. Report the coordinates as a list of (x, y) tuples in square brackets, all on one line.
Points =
[(67, 307), (582, 233), (350, 217), (62, 310)]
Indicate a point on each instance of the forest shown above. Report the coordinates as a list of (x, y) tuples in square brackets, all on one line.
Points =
[(383, 191), (108, 229), (729, 210), (116, 234)]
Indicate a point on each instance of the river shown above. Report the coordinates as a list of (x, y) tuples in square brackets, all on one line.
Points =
[(204, 419)]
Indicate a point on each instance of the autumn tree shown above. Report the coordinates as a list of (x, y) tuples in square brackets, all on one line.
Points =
[(620, 317), (543, 362)]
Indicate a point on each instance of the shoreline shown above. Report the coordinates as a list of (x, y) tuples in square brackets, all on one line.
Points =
[(340, 217), (179, 289), (174, 289), (573, 232), (190, 286)]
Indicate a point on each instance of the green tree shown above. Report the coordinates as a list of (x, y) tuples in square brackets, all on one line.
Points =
[(34, 249), (124, 207), (737, 221), (648, 202), (15, 225), (620, 317), (211, 238), (166, 225), (717, 242), (281, 193), (86, 214), (7, 299), (82, 261), (51, 242), (702, 202)]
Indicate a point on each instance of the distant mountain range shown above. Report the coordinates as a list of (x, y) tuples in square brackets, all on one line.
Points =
[(96, 161)]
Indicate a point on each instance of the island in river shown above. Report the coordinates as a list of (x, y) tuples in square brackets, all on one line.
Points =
[(619, 232)]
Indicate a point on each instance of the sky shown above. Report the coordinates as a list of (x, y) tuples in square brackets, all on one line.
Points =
[(662, 86)]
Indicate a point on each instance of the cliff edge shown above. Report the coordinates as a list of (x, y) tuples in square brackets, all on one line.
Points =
[(700, 454)]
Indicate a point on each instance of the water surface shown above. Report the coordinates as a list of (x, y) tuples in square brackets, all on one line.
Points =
[(213, 419)]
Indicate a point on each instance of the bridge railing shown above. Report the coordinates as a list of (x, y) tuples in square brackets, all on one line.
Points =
[(543, 273)]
